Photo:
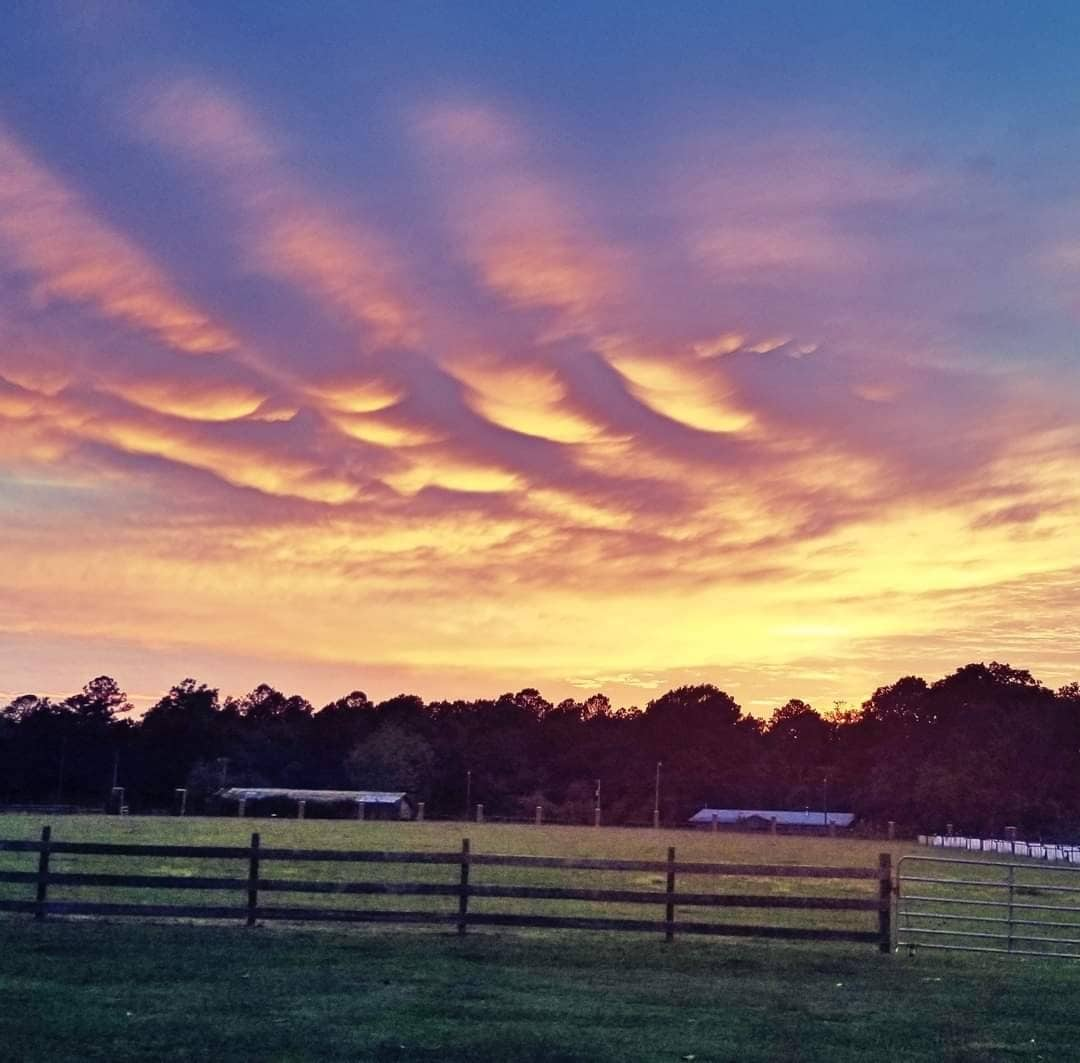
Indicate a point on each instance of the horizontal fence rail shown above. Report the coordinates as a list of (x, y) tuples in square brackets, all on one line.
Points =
[(988, 906), (251, 881)]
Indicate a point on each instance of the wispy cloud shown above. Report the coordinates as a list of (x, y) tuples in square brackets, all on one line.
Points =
[(288, 232), (51, 236)]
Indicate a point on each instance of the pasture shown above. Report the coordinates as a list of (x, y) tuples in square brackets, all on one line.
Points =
[(95, 989)]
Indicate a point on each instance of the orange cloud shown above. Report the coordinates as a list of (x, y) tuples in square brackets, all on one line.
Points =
[(196, 401), (683, 390), (523, 232), (530, 399), (50, 233), (342, 263), (243, 461)]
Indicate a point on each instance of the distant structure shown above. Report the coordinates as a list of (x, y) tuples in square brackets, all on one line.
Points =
[(772, 819), (284, 801)]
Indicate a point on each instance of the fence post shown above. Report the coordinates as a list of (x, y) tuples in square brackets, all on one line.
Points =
[(479, 813), (253, 881), (43, 873), (420, 812), (669, 911), (539, 815), (463, 896), (885, 911)]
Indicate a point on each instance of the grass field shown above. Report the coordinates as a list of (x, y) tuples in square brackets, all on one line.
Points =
[(97, 990)]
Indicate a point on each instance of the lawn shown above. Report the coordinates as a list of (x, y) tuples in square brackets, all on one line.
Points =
[(97, 990)]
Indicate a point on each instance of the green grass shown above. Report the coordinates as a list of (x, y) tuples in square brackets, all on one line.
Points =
[(124, 991)]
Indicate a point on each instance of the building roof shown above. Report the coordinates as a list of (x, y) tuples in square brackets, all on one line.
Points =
[(783, 817), (367, 797)]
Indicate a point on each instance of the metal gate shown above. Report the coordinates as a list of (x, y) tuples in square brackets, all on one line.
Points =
[(1027, 909)]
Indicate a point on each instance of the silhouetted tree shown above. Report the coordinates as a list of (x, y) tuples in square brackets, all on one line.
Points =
[(393, 758)]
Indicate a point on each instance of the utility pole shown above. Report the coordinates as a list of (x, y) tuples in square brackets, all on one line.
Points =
[(468, 792), (656, 797)]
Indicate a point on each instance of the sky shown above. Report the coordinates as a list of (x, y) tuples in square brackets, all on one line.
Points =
[(454, 348)]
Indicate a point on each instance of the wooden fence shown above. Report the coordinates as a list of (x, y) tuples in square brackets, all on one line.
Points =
[(254, 885)]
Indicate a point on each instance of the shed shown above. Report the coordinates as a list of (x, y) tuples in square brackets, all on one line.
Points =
[(763, 818), (362, 804)]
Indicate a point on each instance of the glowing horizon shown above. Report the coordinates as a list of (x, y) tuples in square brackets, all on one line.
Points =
[(450, 376)]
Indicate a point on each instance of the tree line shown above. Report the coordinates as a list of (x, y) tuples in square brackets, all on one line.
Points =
[(981, 748)]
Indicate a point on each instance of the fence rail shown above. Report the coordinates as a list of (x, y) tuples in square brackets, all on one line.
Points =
[(249, 888)]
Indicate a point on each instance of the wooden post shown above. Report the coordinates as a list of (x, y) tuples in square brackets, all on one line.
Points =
[(479, 813), (596, 816), (43, 874), (892, 829), (656, 818), (669, 912), (539, 815), (420, 812), (463, 896), (885, 912), (253, 881), (301, 808), (360, 810), (240, 807)]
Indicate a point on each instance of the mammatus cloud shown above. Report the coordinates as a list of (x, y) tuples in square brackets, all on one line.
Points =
[(591, 453)]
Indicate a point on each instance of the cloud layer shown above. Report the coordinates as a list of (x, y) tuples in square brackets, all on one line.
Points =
[(754, 413)]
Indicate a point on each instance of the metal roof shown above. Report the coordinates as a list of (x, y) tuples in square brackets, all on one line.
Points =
[(783, 817), (367, 797)]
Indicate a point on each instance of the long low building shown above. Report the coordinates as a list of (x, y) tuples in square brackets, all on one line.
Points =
[(764, 818), (365, 804)]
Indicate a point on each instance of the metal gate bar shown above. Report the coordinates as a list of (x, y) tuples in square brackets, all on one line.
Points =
[(949, 911)]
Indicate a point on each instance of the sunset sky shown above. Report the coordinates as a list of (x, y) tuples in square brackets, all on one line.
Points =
[(459, 347)]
